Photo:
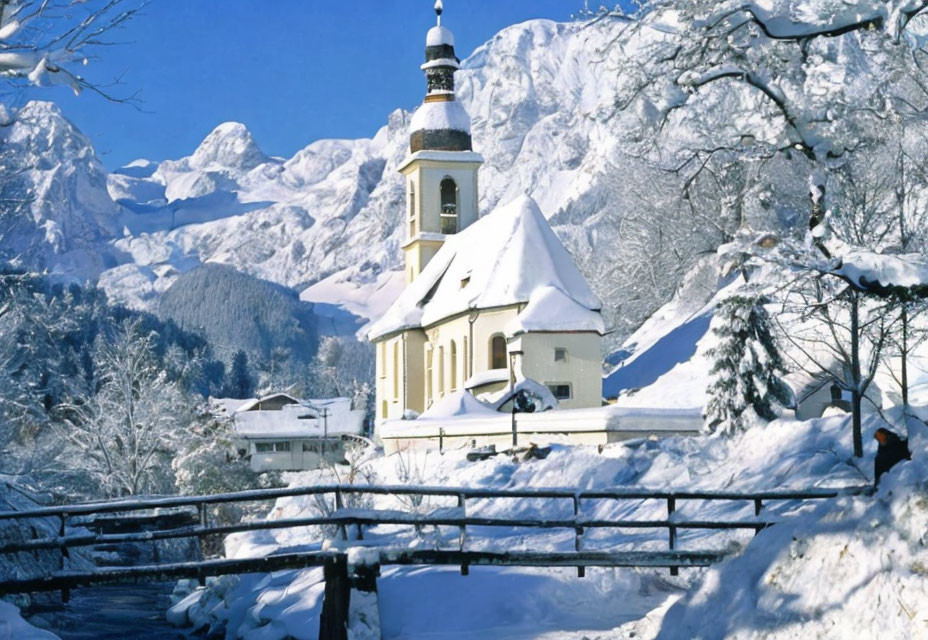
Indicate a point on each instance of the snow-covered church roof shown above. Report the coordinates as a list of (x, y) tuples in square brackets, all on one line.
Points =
[(508, 257)]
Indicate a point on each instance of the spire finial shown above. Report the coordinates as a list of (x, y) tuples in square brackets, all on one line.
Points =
[(439, 8)]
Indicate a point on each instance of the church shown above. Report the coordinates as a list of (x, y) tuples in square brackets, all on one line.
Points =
[(489, 300)]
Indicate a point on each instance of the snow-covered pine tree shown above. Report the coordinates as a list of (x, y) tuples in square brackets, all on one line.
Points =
[(240, 383), (746, 368)]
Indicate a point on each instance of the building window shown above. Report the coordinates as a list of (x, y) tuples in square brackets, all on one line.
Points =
[(454, 366), (383, 359), (560, 390), (464, 360), (449, 206), (412, 209), (396, 371), (383, 409), (428, 377), (311, 447), (498, 352), (272, 447), (441, 371), (560, 354)]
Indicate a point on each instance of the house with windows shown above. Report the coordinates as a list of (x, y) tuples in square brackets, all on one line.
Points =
[(489, 300), (278, 432)]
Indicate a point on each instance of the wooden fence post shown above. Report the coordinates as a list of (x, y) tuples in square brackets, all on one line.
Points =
[(578, 532), (463, 507), (338, 507), (65, 555), (672, 531), (333, 623)]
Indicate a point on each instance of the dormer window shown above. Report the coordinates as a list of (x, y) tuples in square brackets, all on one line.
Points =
[(449, 206), (465, 281)]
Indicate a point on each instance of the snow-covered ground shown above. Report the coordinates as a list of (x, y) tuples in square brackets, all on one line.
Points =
[(539, 603)]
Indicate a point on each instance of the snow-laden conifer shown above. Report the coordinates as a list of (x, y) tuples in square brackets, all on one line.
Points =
[(745, 375)]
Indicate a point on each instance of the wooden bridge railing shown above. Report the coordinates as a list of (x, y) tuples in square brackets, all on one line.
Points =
[(359, 518), (336, 563)]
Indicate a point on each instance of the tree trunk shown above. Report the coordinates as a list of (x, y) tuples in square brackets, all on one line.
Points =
[(904, 375), (855, 375)]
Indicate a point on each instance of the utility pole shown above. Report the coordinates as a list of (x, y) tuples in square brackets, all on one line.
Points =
[(325, 428)]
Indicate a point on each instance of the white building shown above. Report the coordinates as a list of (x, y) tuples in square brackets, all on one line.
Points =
[(490, 299), (282, 433)]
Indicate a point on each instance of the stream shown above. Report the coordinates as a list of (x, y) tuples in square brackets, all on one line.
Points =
[(108, 612)]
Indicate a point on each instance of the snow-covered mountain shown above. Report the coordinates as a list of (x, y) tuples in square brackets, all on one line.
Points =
[(327, 221)]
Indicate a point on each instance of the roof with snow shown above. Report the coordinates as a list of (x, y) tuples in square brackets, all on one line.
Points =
[(439, 35), (251, 405), (510, 256), (440, 116), (458, 403)]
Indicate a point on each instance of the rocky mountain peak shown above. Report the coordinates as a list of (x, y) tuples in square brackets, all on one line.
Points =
[(230, 145)]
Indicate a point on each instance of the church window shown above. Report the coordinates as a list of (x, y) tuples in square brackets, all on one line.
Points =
[(428, 377), (560, 390), (383, 409), (454, 366), (396, 371), (465, 357), (383, 359), (449, 206), (560, 354), (441, 371), (498, 352)]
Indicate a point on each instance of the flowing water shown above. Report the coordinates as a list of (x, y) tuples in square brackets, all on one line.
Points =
[(109, 612)]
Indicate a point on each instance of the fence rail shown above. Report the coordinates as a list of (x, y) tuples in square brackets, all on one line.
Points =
[(115, 506), (336, 564)]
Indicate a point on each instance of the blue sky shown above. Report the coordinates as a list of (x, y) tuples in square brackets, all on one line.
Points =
[(293, 71)]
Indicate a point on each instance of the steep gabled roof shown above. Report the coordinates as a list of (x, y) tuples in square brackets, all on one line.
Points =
[(508, 257)]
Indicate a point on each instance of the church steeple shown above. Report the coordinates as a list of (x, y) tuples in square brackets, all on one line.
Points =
[(441, 170), (440, 124)]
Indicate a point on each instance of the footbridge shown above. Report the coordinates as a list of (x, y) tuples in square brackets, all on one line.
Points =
[(360, 547)]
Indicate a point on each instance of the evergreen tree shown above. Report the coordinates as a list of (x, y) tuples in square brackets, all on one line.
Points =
[(746, 369), (240, 383)]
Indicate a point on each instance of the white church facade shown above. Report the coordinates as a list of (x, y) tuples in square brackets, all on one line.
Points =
[(488, 300)]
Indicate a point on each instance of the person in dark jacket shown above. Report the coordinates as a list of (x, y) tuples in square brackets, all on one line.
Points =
[(892, 449)]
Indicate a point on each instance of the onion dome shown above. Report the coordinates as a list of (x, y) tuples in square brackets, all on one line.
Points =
[(441, 123)]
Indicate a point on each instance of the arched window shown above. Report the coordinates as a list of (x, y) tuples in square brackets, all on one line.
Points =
[(428, 377), (412, 209), (441, 371), (465, 356), (396, 371), (449, 206), (454, 366), (498, 352)]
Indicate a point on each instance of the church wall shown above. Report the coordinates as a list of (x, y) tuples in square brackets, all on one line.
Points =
[(458, 330), (401, 387), (582, 368)]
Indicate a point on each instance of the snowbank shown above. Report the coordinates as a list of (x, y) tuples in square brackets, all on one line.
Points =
[(854, 567), (416, 602), (12, 626)]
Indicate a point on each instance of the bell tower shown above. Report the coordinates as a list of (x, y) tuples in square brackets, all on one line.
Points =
[(441, 169)]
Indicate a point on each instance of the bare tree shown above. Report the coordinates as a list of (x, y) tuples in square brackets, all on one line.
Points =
[(48, 42), (123, 435)]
